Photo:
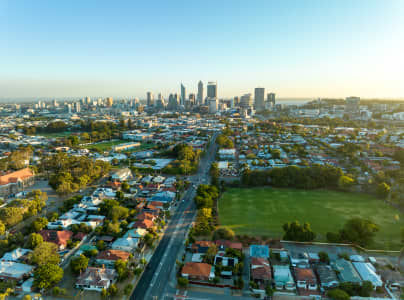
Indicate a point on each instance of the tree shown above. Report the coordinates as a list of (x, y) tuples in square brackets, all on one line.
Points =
[(101, 245), (209, 256), (338, 294), (121, 267), (128, 289), (45, 253), (223, 233), (269, 291), (383, 190), (2, 228), (27, 297), (345, 182), (324, 257), (359, 231), (40, 224), (34, 240), (118, 213), (47, 275), (112, 290), (79, 264), (182, 282), (294, 231)]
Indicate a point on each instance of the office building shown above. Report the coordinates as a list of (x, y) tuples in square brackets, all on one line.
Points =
[(352, 104), (200, 93), (271, 98), (173, 102), (160, 101), (259, 96), (236, 101), (150, 99), (183, 94), (110, 101), (212, 89), (246, 101), (77, 107), (192, 98), (212, 105)]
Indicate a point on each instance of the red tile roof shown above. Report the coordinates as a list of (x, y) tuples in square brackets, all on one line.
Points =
[(15, 176), (113, 255), (57, 237), (194, 269)]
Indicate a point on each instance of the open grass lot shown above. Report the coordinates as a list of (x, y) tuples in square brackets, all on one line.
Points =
[(105, 146), (57, 134), (263, 211)]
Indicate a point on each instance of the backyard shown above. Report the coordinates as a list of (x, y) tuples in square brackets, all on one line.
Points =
[(263, 211)]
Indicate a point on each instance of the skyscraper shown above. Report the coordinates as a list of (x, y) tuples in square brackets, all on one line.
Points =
[(173, 102), (110, 101), (259, 96), (150, 99), (271, 98), (200, 93), (212, 89), (183, 94), (246, 101), (191, 98)]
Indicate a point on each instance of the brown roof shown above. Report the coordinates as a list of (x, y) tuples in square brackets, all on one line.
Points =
[(260, 269), (146, 224), (15, 176), (145, 216), (196, 269), (305, 274), (57, 237), (229, 244), (113, 255)]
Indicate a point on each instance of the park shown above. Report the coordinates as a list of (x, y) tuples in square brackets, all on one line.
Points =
[(262, 212)]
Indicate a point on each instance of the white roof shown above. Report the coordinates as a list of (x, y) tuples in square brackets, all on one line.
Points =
[(367, 272), (13, 269)]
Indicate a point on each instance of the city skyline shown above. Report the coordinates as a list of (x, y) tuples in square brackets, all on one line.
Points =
[(296, 49)]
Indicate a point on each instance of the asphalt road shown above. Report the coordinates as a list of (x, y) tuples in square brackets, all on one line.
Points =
[(157, 274)]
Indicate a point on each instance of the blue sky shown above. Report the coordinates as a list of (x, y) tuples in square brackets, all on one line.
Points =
[(125, 48)]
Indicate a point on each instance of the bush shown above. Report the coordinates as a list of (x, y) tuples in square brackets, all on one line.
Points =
[(338, 294), (182, 282)]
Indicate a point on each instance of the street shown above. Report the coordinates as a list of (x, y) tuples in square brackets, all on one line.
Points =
[(158, 273)]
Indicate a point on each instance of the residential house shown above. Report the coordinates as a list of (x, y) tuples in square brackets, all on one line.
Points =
[(198, 271), (127, 244), (144, 224), (96, 279), (15, 182), (122, 175), (299, 259), (224, 244), (326, 275), (59, 238), (305, 279), (165, 197), (260, 272), (136, 233), (10, 270), (201, 246), (368, 273), (283, 278), (108, 257), (16, 255), (346, 271)]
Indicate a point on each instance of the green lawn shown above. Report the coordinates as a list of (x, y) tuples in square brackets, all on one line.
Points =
[(263, 211), (57, 134), (105, 146)]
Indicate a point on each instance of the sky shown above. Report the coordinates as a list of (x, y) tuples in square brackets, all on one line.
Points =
[(295, 48)]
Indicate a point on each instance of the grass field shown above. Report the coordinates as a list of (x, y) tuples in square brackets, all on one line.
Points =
[(56, 134), (263, 211), (106, 146)]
